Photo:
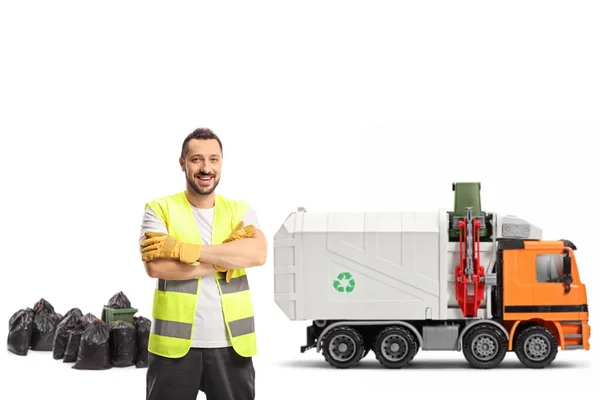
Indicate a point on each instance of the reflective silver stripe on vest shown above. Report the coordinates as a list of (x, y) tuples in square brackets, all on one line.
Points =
[(241, 326), (179, 330), (190, 286), (235, 285)]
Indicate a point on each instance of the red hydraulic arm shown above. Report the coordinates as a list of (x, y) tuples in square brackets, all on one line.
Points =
[(469, 274)]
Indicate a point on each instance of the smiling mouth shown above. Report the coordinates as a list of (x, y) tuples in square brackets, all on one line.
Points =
[(205, 179)]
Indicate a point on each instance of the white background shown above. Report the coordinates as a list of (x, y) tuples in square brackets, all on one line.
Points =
[(359, 106)]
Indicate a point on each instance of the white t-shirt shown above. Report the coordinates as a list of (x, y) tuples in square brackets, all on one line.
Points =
[(209, 324)]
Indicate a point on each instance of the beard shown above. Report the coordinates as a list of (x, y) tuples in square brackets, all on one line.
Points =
[(201, 190)]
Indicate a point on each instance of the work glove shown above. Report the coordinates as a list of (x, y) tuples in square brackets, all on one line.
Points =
[(161, 245), (239, 232)]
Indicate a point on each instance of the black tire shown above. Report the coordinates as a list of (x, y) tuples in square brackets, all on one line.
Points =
[(343, 347), (484, 346), (395, 347), (536, 347)]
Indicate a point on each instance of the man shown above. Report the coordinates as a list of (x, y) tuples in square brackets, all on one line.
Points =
[(202, 335)]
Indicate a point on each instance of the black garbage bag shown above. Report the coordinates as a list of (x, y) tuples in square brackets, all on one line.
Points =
[(20, 330), (72, 347), (62, 334), (44, 327), (123, 344), (74, 310), (142, 327), (87, 318), (43, 305), (17, 315), (94, 349), (119, 301)]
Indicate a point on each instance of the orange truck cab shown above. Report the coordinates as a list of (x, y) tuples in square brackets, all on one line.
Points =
[(541, 299)]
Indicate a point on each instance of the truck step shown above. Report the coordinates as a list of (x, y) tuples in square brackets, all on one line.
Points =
[(573, 347), (572, 336)]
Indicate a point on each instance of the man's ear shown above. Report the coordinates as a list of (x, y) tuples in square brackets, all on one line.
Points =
[(182, 164)]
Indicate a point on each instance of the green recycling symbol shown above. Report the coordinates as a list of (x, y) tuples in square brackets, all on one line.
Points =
[(344, 277)]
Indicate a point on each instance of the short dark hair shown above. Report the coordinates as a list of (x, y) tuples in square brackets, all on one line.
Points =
[(200, 133)]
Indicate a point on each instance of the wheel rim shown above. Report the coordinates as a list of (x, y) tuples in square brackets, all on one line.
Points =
[(537, 347), (484, 347), (394, 348), (342, 348)]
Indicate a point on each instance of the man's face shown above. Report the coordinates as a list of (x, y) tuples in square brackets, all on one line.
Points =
[(202, 165)]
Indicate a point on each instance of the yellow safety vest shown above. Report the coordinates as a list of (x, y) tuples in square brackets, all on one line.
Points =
[(175, 301)]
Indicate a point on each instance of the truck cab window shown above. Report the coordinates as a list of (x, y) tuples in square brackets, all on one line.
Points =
[(549, 268)]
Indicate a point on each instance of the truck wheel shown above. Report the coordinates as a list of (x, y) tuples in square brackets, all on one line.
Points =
[(485, 346), (343, 347), (395, 347), (536, 347)]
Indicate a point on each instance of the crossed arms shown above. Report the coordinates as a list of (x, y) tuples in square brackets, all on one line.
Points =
[(242, 253)]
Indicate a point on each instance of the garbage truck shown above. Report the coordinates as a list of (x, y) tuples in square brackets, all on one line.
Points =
[(464, 280)]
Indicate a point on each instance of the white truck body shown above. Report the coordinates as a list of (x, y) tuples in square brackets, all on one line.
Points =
[(402, 265)]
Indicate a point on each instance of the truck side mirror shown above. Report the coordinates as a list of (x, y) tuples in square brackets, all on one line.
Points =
[(567, 280)]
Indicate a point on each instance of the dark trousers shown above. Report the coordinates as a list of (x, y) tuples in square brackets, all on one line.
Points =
[(220, 373)]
